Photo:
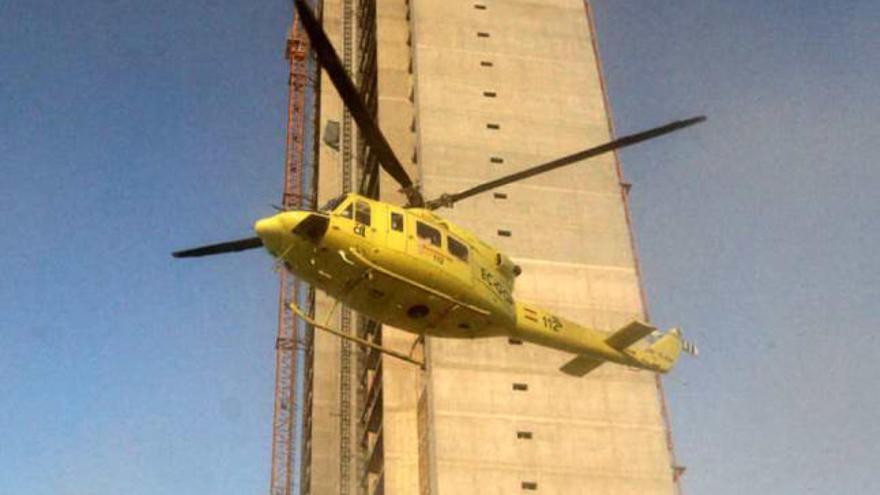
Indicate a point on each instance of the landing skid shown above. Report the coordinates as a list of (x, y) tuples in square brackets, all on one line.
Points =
[(399, 355)]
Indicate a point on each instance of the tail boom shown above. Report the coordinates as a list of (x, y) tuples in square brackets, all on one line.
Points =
[(594, 347)]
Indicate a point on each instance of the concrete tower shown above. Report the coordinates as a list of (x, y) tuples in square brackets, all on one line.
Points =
[(469, 90)]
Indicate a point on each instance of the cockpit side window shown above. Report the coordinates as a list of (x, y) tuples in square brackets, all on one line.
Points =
[(457, 249), (396, 221), (347, 212), (331, 205), (425, 231), (362, 212)]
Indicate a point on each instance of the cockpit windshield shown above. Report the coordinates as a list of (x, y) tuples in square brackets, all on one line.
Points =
[(331, 205)]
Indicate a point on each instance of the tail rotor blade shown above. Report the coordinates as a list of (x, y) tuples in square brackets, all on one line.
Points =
[(223, 247)]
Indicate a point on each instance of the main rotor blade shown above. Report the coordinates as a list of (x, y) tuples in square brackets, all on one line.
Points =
[(372, 134), (223, 247), (450, 199)]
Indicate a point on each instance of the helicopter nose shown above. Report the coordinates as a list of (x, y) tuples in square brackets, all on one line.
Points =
[(271, 231), (266, 227)]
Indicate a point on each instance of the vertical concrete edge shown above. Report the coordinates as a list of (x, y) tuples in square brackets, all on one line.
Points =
[(633, 245)]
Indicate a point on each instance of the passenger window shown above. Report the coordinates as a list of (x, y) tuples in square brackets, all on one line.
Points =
[(396, 221), (457, 249), (347, 211), (362, 213), (429, 233)]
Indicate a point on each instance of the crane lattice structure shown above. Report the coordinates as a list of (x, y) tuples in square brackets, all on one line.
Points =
[(291, 426)]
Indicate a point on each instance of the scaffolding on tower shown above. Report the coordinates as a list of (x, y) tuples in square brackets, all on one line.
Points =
[(291, 425)]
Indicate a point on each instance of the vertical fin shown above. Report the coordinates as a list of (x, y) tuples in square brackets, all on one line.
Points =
[(662, 354)]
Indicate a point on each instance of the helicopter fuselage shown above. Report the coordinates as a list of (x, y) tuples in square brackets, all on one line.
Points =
[(413, 270), (404, 267)]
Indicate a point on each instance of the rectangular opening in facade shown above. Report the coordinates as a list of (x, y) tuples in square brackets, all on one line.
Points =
[(529, 485), (479, 6), (482, 34), (496, 159), (493, 126), (486, 63), (490, 94), (524, 435), (504, 233), (520, 387)]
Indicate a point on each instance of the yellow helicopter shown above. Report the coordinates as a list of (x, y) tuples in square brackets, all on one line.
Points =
[(407, 267)]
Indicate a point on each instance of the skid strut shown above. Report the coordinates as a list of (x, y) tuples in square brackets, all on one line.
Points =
[(340, 334)]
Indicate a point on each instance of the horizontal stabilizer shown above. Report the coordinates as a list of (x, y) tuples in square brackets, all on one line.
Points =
[(629, 335), (581, 365)]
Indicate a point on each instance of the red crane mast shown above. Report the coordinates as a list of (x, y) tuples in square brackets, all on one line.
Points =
[(291, 425)]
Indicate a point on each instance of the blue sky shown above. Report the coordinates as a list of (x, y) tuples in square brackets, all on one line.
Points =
[(758, 230), (130, 129)]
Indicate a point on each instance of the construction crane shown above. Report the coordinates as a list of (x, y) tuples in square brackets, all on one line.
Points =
[(293, 345)]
